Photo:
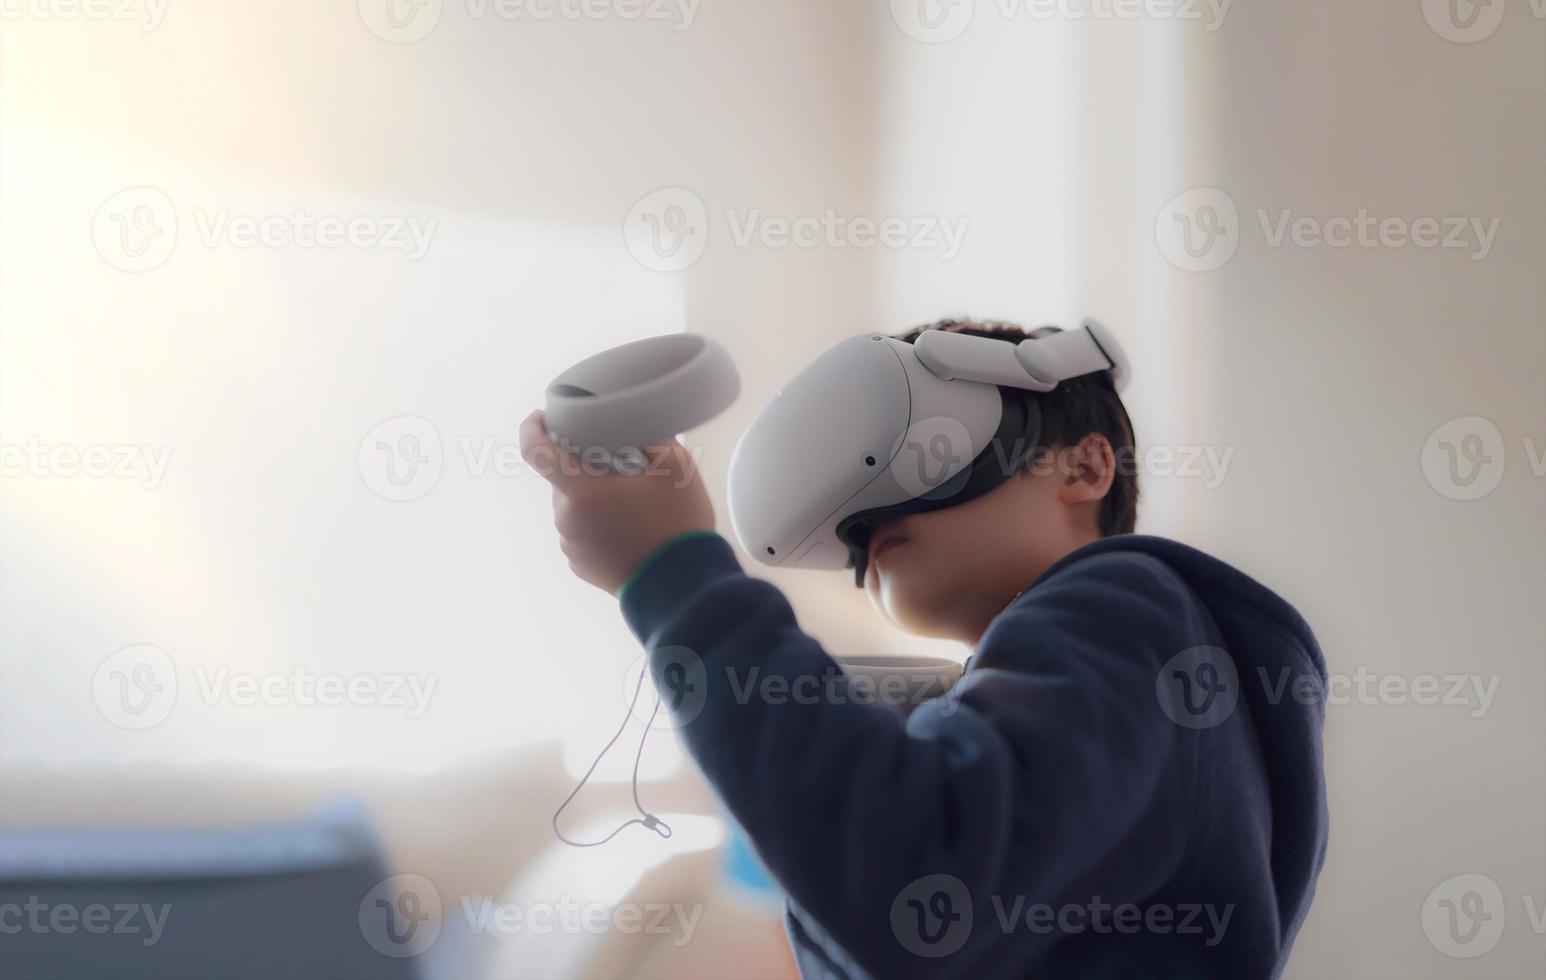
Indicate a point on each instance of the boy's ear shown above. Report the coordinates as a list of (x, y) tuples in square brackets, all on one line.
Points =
[(1086, 470)]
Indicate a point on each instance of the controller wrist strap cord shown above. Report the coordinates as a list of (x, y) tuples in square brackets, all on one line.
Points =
[(645, 817)]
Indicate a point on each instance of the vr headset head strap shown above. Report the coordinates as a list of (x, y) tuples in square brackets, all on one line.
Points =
[(1039, 364)]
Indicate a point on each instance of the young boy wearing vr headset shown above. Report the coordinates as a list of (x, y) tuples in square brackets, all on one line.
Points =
[(1127, 779)]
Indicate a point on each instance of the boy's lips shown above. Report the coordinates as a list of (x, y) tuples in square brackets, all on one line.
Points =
[(884, 539)]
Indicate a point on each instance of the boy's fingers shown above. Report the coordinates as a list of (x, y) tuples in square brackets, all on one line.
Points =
[(539, 452), (563, 469), (677, 458)]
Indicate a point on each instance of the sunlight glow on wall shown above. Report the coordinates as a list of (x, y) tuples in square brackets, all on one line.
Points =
[(257, 362)]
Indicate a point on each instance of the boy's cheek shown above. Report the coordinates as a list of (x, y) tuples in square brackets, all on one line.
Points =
[(929, 557), (902, 583)]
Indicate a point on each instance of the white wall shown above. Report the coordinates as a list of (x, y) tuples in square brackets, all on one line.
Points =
[(1333, 369)]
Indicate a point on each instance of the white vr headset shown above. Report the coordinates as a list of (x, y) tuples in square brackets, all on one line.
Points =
[(878, 428)]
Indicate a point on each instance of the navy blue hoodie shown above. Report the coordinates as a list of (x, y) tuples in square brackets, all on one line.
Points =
[(1126, 782)]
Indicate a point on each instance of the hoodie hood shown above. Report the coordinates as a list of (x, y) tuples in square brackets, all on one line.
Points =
[(1282, 676)]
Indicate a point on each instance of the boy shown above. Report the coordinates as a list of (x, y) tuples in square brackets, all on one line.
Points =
[(1122, 784)]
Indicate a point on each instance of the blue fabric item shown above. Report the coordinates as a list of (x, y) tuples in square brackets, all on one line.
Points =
[(1127, 781), (742, 866)]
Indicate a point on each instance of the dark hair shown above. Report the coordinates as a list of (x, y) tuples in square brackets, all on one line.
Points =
[(1069, 412)]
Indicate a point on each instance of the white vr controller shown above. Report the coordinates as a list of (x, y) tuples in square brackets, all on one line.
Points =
[(874, 428), (640, 394)]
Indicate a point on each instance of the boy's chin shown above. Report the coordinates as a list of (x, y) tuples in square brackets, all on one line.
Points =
[(910, 604)]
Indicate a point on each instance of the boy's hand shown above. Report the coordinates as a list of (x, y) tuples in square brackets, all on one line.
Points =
[(609, 522)]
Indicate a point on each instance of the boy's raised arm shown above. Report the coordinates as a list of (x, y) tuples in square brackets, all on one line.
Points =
[(1039, 765)]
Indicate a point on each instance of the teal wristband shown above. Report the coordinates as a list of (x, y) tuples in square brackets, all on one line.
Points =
[(660, 549)]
